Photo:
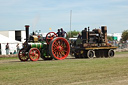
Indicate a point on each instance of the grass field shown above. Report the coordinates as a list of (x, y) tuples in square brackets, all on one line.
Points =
[(98, 71)]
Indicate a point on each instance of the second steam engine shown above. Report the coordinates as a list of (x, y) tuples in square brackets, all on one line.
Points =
[(92, 43)]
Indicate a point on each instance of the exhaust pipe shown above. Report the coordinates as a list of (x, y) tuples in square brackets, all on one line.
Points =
[(27, 32)]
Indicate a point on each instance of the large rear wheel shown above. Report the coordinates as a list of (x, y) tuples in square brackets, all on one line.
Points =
[(59, 48)]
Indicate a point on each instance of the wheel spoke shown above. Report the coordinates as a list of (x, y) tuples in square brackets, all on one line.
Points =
[(54, 45), (65, 51), (54, 50), (62, 53), (58, 55), (57, 43)]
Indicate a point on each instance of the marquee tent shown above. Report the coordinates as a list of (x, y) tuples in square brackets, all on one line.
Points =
[(12, 44)]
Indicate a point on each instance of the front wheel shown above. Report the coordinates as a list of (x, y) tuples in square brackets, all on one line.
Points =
[(22, 55), (34, 54)]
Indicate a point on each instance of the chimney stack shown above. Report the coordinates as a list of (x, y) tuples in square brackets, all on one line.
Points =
[(27, 32)]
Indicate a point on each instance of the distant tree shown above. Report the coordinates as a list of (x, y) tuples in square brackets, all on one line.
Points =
[(125, 35), (110, 38), (73, 33)]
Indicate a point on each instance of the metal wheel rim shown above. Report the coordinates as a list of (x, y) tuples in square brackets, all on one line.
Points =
[(90, 54), (111, 53), (34, 54), (22, 56), (60, 48)]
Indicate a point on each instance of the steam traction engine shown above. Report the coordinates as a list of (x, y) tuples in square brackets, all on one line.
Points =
[(49, 48), (92, 43)]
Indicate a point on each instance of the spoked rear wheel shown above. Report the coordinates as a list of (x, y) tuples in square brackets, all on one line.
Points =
[(59, 48), (34, 54), (22, 55)]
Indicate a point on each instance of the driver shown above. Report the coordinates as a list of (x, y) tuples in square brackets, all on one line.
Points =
[(63, 33), (58, 33)]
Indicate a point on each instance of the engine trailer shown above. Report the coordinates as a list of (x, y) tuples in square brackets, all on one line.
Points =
[(92, 44), (52, 47)]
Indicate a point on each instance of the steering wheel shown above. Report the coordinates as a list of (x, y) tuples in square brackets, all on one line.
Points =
[(50, 36)]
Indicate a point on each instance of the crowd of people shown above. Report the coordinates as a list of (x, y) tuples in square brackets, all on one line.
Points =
[(15, 51), (119, 44), (7, 48)]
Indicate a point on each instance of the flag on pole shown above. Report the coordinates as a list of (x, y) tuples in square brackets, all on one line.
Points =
[(50, 28)]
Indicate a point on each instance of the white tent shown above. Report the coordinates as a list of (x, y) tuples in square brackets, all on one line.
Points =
[(12, 44)]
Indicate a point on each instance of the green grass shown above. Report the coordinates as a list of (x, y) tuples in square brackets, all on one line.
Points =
[(7, 58), (64, 72), (125, 52)]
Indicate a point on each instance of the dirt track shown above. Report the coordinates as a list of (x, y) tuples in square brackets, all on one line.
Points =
[(121, 55), (69, 57)]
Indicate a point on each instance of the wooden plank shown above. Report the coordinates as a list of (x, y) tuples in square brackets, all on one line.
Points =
[(96, 48)]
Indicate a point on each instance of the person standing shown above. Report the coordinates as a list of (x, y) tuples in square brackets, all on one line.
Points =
[(63, 33), (7, 49), (14, 52), (17, 46), (79, 36), (0, 48), (58, 33)]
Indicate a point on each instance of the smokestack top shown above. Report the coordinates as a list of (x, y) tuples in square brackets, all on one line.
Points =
[(27, 26)]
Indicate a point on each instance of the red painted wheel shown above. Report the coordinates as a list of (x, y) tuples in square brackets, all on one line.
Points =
[(59, 48), (34, 54), (50, 36), (22, 55)]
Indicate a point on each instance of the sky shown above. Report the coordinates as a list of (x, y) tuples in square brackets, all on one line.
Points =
[(55, 14)]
